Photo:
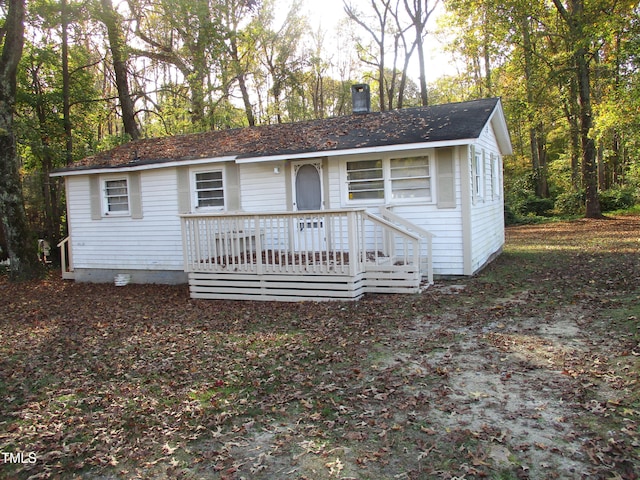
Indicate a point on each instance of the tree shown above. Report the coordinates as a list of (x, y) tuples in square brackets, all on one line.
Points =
[(21, 248), (112, 22), (574, 16), (419, 13), (382, 9)]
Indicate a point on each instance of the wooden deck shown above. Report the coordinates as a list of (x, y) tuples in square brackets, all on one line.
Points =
[(295, 256)]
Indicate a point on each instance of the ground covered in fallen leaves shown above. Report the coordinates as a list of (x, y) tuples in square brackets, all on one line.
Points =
[(528, 370)]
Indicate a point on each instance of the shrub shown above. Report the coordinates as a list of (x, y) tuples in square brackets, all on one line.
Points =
[(618, 198), (570, 203)]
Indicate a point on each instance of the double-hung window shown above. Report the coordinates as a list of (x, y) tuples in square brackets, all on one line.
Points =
[(209, 189), (365, 180), (116, 196)]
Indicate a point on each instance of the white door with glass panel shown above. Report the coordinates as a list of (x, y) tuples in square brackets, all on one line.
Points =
[(307, 196)]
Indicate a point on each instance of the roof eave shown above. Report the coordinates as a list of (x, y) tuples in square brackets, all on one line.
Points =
[(261, 159), (139, 167), (499, 124)]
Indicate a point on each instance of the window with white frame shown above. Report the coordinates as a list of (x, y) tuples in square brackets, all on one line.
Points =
[(410, 178), (365, 180), (116, 196), (209, 189), (399, 179), (478, 175), (495, 176)]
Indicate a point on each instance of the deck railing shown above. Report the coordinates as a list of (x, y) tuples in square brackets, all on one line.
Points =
[(426, 254), (323, 242)]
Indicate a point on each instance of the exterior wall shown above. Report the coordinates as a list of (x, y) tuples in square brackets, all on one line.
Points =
[(261, 189), (487, 209), (444, 223), (124, 244), (468, 229)]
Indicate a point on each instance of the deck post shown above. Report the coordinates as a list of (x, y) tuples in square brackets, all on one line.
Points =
[(352, 232), (258, 240), (186, 245)]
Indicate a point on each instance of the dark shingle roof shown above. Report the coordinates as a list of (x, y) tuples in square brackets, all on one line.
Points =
[(448, 122)]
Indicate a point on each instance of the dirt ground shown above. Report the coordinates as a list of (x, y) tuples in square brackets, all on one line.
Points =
[(528, 370)]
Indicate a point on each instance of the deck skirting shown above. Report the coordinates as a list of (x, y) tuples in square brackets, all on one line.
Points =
[(303, 287), (275, 287)]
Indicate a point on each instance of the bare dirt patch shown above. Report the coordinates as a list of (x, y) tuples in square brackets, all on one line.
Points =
[(528, 370)]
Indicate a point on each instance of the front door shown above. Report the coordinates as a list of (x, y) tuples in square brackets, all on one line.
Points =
[(308, 196)]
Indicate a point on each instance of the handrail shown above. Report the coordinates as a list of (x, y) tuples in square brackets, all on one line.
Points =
[(428, 236), (66, 261), (385, 212), (391, 226)]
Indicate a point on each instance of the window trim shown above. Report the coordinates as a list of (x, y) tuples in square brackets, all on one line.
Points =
[(194, 191), (105, 197)]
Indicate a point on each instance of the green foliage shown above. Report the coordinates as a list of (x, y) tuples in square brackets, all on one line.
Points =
[(618, 198), (570, 203), (521, 199)]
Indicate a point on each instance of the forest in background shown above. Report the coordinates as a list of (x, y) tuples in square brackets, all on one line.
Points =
[(96, 73)]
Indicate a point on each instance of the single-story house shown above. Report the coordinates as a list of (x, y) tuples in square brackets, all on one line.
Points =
[(331, 208)]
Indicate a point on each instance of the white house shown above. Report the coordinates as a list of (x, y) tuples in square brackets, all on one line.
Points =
[(332, 208)]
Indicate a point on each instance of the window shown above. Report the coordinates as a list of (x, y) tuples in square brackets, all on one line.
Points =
[(116, 194), (410, 178), (495, 176), (478, 175), (209, 189), (365, 180), (402, 179)]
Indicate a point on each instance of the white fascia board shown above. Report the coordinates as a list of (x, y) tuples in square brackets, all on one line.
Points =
[(501, 130), (138, 168), (357, 151)]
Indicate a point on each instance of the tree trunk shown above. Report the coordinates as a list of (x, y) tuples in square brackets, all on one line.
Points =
[(574, 17), (588, 145), (117, 46), (66, 83), (536, 129), (242, 83), (424, 95), (21, 247)]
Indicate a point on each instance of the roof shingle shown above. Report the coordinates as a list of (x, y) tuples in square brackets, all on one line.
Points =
[(453, 121)]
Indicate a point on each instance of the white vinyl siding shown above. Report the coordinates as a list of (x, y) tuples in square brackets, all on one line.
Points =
[(487, 214), (263, 190), (123, 242)]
